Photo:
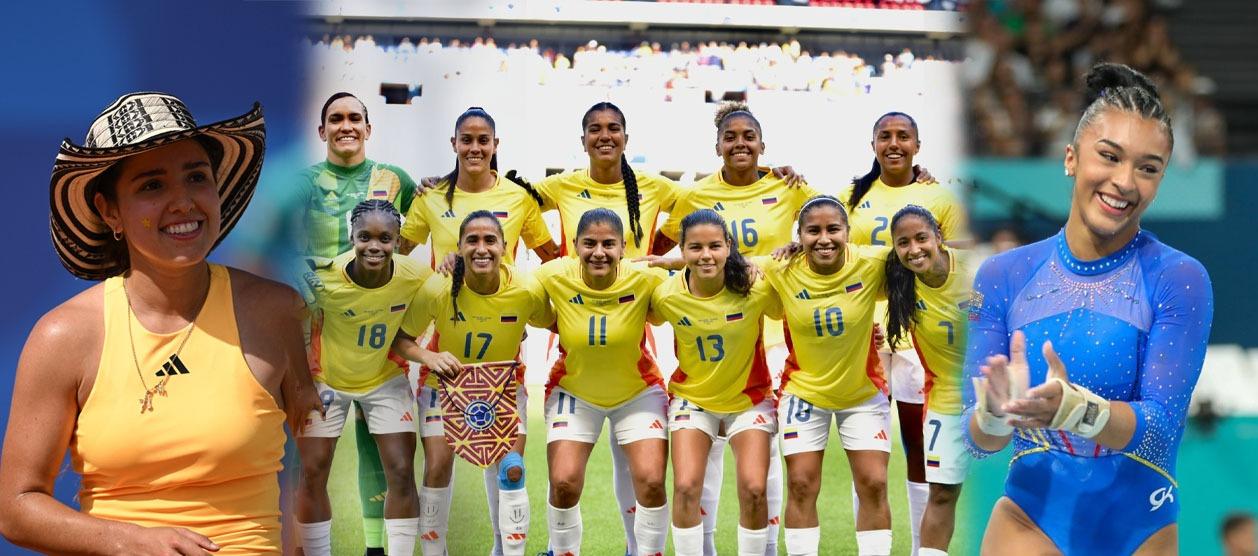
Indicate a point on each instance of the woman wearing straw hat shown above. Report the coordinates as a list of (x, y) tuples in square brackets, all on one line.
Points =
[(169, 382)]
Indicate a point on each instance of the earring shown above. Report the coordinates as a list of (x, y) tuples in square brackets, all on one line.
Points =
[(117, 235)]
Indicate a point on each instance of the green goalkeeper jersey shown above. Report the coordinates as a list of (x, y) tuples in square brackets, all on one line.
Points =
[(330, 192)]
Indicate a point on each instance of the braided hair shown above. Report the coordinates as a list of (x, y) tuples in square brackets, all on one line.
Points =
[(453, 177), (861, 184), (520, 181), (374, 205), (737, 277), (1119, 87), (901, 285), (460, 268), (631, 181)]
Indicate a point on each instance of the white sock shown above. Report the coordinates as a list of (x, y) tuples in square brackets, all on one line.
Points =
[(802, 541), (751, 542), (491, 497), (856, 504), (650, 527), (316, 538), (622, 486), (919, 493), (688, 541), (930, 552), (873, 543), (564, 526), (513, 513), (773, 496), (434, 519), (401, 533), (710, 499)]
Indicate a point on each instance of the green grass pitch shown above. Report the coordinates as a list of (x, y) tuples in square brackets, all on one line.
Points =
[(470, 533)]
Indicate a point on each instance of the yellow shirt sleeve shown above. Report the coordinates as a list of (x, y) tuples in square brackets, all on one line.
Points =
[(415, 229), (535, 233)]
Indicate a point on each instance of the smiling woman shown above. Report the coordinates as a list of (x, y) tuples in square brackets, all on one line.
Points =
[(1110, 325), (213, 355)]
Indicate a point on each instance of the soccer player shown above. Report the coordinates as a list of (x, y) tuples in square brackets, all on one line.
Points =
[(328, 191), (928, 291), (828, 294), (760, 208), (1111, 327), (604, 373), (475, 184), (367, 293), (479, 310), (722, 386), (872, 200), (191, 468)]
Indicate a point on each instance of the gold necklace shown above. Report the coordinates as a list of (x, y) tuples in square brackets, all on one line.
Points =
[(146, 403)]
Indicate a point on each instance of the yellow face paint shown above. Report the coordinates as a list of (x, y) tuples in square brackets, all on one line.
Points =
[(147, 223)]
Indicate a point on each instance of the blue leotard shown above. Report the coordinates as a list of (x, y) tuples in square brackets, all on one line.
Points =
[(1130, 327)]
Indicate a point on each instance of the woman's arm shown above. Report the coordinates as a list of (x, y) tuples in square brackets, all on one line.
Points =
[(41, 421)]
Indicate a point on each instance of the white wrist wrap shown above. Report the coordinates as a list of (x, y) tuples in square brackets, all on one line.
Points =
[(1081, 411), (987, 422)]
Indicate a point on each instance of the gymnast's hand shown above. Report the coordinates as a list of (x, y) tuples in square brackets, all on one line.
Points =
[(1041, 403), (1006, 377)]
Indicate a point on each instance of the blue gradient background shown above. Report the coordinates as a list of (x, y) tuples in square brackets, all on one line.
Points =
[(68, 60)]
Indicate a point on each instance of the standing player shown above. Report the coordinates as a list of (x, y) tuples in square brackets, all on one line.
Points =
[(1132, 317), (760, 208), (366, 294), (721, 387), (872, 200), (473, 185), (479, 311), (928, 291), (603, 372), (828, 293), (329, 190)]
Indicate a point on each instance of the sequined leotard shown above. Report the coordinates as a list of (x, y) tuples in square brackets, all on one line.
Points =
[(1130, 327)]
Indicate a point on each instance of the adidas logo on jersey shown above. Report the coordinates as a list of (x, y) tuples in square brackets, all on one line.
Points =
[(349, 313), (803, 294), (173, 367), (585, 194), (718, 207), (882, 435), (458, 317), (864, 205), (577, 300), (684, 322), (448, 214), (760, 420), (656, 424), (406, 417), (921, 305)]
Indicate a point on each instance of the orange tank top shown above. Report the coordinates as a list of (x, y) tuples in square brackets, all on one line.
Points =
[(206, 457)]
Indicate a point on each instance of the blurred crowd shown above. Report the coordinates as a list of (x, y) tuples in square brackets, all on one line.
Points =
[(1026, 60), (712, 66)]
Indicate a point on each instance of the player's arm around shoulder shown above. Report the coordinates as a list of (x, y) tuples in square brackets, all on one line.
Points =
[(54, 378), (268, 318)]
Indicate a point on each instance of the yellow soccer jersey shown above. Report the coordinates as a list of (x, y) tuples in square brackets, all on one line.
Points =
[(573, 193), (430, 220), (487, 327), (720, 352), (939, 334), (829, 322), (870, 221), (760, 216), (602, 359), (354, 326)]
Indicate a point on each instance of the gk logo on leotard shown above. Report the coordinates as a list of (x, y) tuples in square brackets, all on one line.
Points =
[(1161, 496)]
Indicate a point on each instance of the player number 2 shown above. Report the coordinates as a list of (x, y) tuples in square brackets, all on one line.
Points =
[(602, 331), (718, 348), (467, 345), (375, 338), (882, 225)]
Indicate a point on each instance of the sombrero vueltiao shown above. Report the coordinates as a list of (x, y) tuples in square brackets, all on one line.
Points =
[(133, 124)]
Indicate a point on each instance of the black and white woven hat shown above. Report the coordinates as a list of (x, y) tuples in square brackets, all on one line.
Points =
[(135, 123)]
